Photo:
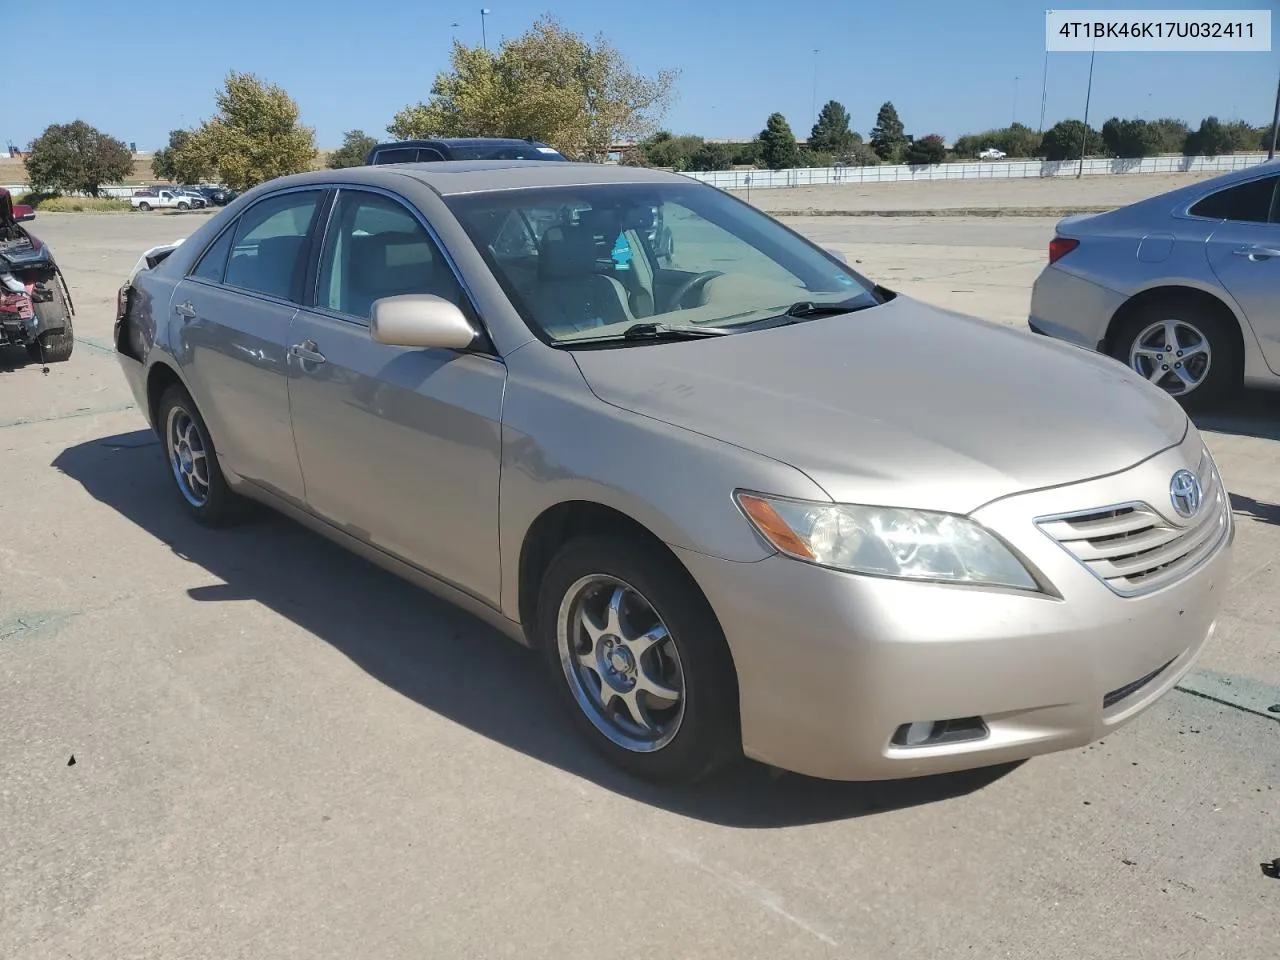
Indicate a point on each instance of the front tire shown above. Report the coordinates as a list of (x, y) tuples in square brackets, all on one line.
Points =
[(639, 660), (53, 346), (184, 206), (1191, 352), (193, 462)]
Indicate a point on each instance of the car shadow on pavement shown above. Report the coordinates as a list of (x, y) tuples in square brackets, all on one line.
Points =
[(1256, 510), (1250, 413), (441, 657)]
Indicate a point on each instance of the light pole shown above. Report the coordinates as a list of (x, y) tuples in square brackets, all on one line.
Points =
[(484, 36), (814, 107), (1084, 134), (1275, 126), (1044, 90), (1015, 100)]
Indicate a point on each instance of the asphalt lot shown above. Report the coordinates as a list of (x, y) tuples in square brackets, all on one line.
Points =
[(283, 752)]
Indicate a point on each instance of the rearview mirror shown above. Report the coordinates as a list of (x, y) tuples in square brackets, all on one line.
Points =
[(22, 212), (838, 255), (420, 320)]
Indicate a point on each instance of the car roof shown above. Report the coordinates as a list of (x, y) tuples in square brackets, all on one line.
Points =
[(454, 177), (459, 142)]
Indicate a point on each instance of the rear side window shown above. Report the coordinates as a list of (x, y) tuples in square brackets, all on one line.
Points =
[(1252, 202), (427, 155), (399, 155), (214, 261), (269, 253)]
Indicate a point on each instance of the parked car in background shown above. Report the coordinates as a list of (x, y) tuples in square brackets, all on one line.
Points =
[(991, 153), (217, 196), (461, 148), (741, 509), (1184, 287), (166, 199)]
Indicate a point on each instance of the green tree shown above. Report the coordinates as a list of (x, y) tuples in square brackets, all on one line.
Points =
[(745, 154), (254, 137), (550, 83), (76, 158), (1063, 140), (888, 136), (664, 149), (778, 149), (1170, 134), (831, 134), (1130, 138), (927, 150), (711, 156), (1212, 139), (162, 161), (356, 145), (1243, 136)]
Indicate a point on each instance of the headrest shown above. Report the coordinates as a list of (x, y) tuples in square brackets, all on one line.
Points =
[(567, 253)]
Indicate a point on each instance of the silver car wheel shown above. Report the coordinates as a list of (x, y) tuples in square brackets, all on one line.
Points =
[(1172, 354), (621, 663), (187, 456)]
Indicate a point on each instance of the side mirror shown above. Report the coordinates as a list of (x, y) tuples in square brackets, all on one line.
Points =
[(838, 255), (22, 212), (420, 320)]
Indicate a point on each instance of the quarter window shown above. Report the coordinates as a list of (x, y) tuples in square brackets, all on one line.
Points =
[(376, 248), (214, 261), (269, 254), (1252, 202)]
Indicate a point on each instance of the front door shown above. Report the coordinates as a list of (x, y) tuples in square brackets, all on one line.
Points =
[(399, 447), (233, 313), (1244, 252)]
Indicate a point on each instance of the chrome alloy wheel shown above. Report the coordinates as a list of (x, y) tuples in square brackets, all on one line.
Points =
[(187, 456), (622, 665), (1172, 354)]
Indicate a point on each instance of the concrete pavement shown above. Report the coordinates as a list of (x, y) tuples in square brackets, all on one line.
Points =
[(284, 752)]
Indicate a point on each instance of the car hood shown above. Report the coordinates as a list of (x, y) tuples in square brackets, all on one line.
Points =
[(901, 404)]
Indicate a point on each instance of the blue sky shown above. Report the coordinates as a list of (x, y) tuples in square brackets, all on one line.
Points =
[(948, 65)]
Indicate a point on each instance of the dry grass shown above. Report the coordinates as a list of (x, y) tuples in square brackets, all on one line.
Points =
[(13, 171)]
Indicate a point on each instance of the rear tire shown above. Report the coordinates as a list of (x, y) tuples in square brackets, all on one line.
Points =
[(607, 672), (193, 462), (144, 207), (53, 346), (1206, 362)]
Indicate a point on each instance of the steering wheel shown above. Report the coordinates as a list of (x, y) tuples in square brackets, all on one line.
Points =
[(686, 288)]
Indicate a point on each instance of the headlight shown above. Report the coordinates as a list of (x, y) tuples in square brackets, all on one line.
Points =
[(886, 542)]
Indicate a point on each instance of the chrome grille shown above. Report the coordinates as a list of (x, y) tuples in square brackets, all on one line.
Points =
[(1133, 549)]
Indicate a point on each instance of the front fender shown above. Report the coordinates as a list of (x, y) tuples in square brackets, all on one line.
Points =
[(561, 444)]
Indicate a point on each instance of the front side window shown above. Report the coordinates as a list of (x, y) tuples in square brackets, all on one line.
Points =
[(269, 253), (376, 248), (587, 262), (1252, 202)]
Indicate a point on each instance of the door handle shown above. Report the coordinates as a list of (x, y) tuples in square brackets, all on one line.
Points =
[(1256, 250), (307, 351), (187, 310)]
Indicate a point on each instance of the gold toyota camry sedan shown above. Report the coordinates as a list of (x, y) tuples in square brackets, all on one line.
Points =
[(743, 499)]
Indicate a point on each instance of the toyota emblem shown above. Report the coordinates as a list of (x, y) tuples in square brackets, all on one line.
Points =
[(1186, 493)]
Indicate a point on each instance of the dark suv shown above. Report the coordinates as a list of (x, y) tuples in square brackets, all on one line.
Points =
[(461, 148)]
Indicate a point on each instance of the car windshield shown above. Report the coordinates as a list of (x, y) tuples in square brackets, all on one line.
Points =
[(586, 263)]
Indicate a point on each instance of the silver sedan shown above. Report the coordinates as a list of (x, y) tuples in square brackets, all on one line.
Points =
[(1183, 287), (745, 502)]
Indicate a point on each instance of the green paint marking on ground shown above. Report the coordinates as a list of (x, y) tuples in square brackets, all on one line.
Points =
[(32, 624), (95, 344), (1243, 693), (88, 412)]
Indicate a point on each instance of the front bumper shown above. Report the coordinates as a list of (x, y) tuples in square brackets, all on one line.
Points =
[(830, 665)]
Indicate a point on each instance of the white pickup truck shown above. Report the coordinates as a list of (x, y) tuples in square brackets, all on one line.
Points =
[(165, 199)]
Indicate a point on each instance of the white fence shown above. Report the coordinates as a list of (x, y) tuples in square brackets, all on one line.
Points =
[(986, 170)]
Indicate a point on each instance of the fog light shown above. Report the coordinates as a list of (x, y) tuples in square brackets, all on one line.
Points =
[(933, 733)]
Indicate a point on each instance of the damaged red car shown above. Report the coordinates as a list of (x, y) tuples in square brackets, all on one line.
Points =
[(35, 305)]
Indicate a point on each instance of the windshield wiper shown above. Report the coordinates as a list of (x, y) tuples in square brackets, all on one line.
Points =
[(805, 309), (665, 331)]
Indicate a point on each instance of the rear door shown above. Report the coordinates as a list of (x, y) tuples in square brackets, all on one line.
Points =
[(232, 314), (1244, 253)]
